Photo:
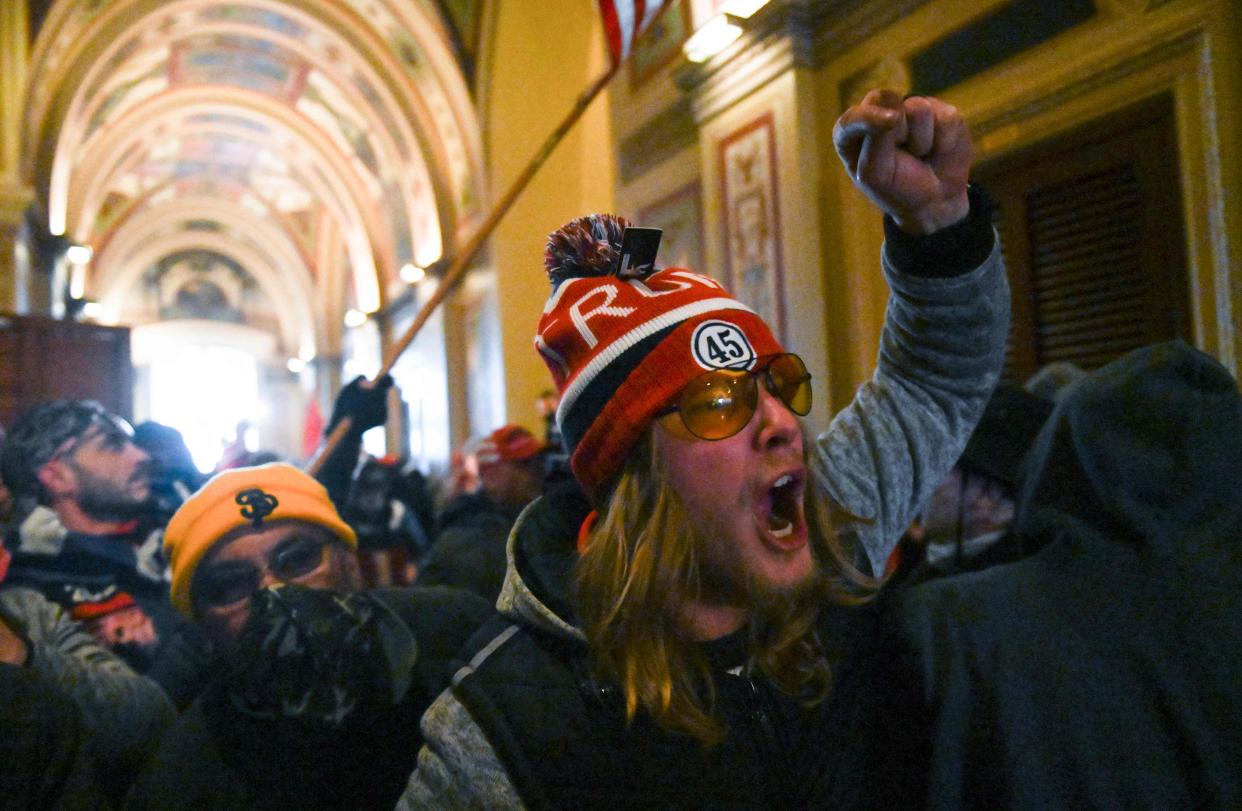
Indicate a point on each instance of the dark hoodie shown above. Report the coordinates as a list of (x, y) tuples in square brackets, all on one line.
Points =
[(469, 552), (1105, 671)]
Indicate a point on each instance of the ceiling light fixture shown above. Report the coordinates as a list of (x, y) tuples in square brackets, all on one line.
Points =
[(412, 274), (716, 34), (743, 8), (355, 318), (79, 254)]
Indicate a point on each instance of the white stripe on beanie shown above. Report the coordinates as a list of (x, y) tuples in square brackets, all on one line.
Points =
[(614, 349)]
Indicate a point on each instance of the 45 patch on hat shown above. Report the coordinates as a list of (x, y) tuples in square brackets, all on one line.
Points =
[(621, 349), (721, 345)]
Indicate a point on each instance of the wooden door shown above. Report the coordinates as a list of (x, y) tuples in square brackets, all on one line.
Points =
[(1091, 227), (44, 359)]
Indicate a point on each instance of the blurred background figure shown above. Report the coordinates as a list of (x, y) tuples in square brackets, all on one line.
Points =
[(546, 407), (462, 477), (1102, 671), (469, 551), (94, 548), (1052, 379), (174, 476), (111, 721), (392, 514), (966, 524), (234, 452)]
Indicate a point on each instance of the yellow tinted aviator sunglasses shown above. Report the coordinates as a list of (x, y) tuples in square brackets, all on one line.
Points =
[(719, 403)]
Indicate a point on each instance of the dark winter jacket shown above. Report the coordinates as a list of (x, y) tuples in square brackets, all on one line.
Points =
[(115, 585), (469, 552), (43, 748), (120, 715), (1105, 671), (346, 733), (525, 727), (562, 736)]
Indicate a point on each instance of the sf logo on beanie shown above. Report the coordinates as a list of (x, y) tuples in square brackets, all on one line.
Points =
[(721, 345), (256, 505)]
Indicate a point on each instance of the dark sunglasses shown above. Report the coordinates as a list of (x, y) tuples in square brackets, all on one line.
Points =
[(114, 439), (228, 583), (718, 404)]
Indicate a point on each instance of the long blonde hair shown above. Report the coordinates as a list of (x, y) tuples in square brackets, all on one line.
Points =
[(642, 565)]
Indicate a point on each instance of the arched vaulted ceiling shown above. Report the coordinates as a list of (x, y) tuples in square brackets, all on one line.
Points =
[(320, 144)]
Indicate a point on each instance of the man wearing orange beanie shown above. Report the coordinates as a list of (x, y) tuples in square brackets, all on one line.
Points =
[(250, 528), (308, 668)]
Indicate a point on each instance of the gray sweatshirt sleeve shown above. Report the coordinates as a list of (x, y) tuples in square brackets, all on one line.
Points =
[(457, 767), (941, 351), (123, 713)]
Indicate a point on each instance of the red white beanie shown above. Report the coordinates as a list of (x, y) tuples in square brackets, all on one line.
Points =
[(621, 347)]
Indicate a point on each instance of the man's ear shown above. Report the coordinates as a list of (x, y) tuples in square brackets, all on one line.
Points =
[(58, 479)]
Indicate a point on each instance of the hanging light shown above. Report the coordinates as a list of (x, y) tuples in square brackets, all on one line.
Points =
[(412, 274), (79, 254), (720, 31)]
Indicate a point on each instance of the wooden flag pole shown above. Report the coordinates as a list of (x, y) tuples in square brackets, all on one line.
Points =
[(458, 267)]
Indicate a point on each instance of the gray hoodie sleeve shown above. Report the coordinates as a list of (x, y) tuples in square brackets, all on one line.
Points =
[(124, 714), (457, 767), (941, 351)]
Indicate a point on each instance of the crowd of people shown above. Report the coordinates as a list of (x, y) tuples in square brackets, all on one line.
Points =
[(962, 594)]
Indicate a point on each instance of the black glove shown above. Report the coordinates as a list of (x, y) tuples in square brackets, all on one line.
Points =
[(319, 658), (365, 407)]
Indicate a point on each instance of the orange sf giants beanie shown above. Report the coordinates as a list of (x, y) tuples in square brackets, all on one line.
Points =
[(622, 338), (244, 496)]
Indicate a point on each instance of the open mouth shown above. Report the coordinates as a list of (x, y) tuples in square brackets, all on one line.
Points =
[(783, 521)]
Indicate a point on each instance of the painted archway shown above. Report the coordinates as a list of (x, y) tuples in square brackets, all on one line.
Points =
[(319, 146)]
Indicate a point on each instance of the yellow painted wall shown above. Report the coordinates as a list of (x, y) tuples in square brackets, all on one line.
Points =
[(536, 69), (1131, 50)]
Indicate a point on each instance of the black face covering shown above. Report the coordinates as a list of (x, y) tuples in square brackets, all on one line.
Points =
[(313, 711), (317, 658)]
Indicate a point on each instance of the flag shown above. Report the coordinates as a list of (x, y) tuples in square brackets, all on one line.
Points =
[(625, 21), (312, 428)]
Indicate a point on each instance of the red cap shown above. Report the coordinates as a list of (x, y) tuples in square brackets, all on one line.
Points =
[(509, 443)]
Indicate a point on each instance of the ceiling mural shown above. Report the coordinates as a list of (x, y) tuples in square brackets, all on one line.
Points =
[(334, 141)]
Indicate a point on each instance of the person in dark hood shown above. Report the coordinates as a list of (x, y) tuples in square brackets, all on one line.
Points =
[(469, 552), (966, 525), (388, 511), (1104, 671), (316, 687), (174, 476)]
